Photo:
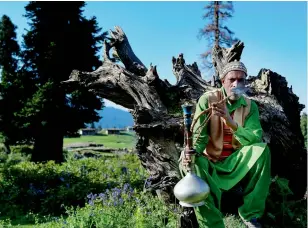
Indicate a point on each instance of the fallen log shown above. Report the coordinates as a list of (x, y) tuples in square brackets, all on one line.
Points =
[(156, 108)]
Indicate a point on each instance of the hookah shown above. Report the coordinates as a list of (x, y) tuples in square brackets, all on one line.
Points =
[(191, 190)]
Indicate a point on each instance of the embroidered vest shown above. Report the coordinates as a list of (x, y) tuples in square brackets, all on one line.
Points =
[(215, 144), (227, 148)]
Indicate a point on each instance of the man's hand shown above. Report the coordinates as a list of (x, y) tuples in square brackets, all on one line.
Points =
[(220, 109)]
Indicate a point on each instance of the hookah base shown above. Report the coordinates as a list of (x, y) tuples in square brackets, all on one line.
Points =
[(192, 204)]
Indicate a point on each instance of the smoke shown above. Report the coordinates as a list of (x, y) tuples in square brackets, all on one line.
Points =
[(238, 91)]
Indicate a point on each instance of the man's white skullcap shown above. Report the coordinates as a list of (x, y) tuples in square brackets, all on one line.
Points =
[(234, 65)]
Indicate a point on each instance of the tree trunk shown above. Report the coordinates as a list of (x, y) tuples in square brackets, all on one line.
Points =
[(48, 144), (156, 107), (49, 133), (216, 17)]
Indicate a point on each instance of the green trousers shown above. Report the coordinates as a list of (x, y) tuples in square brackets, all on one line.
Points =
[(249, 165)]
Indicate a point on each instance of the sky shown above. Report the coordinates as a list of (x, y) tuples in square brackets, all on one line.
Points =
[(274, 34)]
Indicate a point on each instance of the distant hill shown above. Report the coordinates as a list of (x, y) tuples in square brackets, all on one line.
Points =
[(113, 117)]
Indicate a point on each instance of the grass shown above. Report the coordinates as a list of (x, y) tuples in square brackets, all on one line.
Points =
[(23, 221), (231, 221), (124, 140)]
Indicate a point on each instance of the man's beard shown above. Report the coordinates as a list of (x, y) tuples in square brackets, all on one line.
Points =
[(234, 96), (236, 92)]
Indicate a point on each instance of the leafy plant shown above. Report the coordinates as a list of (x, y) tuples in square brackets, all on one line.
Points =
[(282, 212), (47, 187)]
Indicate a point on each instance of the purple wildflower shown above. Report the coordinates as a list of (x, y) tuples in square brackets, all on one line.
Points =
[(116, 192), (102, 196), (90, 196), (126, 187)]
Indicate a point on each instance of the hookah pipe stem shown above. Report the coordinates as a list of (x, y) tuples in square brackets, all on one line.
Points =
[(188, 138), (188, 151)]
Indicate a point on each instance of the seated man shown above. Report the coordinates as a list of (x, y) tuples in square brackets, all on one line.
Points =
[(230, 150)]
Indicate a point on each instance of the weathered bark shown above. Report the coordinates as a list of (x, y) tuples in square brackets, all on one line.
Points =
[(155, 106), (121, 47)]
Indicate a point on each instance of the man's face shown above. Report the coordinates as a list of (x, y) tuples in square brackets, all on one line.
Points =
[(234, 79)]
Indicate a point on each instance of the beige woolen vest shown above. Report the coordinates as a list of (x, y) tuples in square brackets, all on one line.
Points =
[(215, 127)]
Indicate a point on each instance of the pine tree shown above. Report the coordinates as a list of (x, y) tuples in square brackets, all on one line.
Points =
[(9, 48), (214, 31), (11, 90), (60, 40)]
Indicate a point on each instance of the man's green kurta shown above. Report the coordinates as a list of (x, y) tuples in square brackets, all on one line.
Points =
[(250, 165), (250, 133)]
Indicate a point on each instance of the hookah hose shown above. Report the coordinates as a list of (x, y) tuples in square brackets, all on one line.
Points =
[(204, 123)]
